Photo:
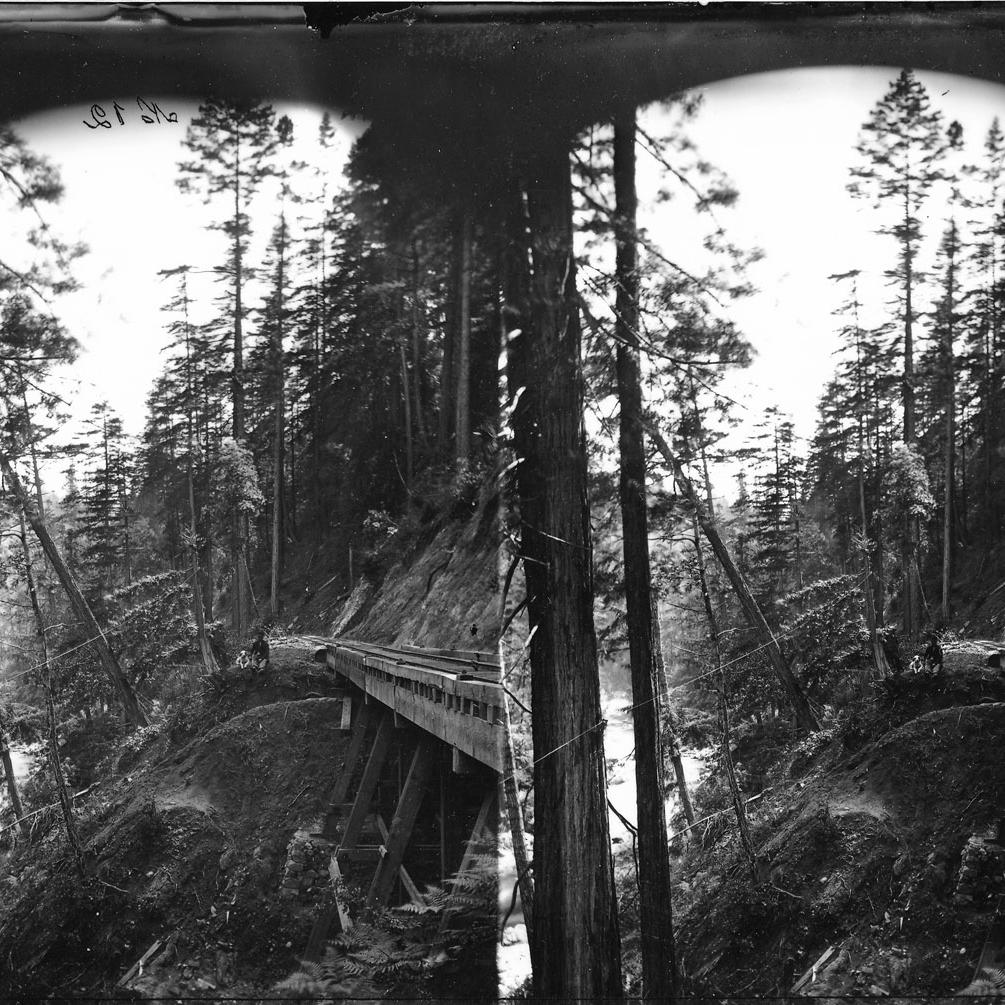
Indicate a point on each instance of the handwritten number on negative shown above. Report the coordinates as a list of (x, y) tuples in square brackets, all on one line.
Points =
[(100, 120), (156, 112)]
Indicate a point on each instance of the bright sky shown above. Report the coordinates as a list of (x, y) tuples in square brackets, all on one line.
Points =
[(786, 139), (122, 201)]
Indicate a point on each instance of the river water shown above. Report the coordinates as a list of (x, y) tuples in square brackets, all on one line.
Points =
[(513, 955), (22, 758)]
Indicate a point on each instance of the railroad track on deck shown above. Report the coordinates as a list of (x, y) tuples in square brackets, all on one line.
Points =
[(459, 664)]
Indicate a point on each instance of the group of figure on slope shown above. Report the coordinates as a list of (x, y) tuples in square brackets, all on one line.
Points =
[(256, 658), (928, 660)]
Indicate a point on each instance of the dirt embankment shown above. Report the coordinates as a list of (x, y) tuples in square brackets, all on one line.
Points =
[(185, 848), (880, 855), (440, 589)]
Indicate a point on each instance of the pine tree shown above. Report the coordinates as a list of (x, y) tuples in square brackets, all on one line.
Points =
[(940, 369), (312, 307), (106, 503), (659, 964), (233, 144), (982, 361), (774, 535), (184, 406), (856, 415), (901, 149)]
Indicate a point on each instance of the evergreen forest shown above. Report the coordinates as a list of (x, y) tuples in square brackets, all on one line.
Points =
[(485, 402)]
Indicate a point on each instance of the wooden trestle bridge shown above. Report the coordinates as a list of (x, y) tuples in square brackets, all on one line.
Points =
[(438, 711)]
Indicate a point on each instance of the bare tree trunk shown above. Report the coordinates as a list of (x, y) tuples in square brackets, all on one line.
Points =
[(53, 740), (879, 660), (912, 534), (667, 716), (949, 467), (575, 923), (278, 469), (240, 523), (291, 454), (448, 377), (130, 706), (409, 448), (882, 667), (514, 813), (659, 967), (804, 717), (316, 420), (198, 610), (65, 803), (12, 791), (417, 349), (739, 809), (462, 424), (198, 603)]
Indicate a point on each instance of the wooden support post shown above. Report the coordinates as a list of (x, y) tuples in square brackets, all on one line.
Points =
[(331, 911), (478, 834), (461, 763), (136, 970), (363, 719), (368, 783), (345, 922), (443, 825), (346, 711), (404, 820), (406, 880)]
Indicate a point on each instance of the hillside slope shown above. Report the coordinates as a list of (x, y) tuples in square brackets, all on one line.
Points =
[(880, 850)]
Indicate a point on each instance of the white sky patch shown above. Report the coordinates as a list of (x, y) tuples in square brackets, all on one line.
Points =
[(121, 199), (787, 140)]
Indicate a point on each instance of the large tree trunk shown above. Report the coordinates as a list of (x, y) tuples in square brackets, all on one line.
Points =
[(659, 967), (804, 717), (577, 942), (462, 423), (130, 706)]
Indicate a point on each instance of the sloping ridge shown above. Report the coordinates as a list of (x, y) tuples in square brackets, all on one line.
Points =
[(864, 858)]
